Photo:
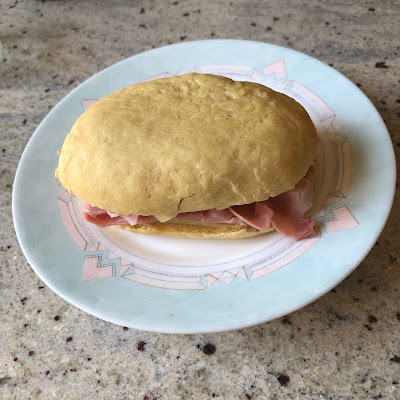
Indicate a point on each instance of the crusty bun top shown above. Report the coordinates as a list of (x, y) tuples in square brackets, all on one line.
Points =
[(187, 143)]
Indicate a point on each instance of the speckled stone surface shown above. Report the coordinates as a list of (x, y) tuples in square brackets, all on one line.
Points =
[(346, 345)]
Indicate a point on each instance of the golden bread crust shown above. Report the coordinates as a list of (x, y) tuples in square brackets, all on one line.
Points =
[(187, 143)]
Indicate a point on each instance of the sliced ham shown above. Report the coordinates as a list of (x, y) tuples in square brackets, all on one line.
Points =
[(225, 216), (104, 218), (285, 212), (88, 209), (146, 219), (289, 208), (112, 214), (258, 215), (190, 215), (131, 219)]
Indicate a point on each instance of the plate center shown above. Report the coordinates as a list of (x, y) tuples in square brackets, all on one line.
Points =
[(189, 252)]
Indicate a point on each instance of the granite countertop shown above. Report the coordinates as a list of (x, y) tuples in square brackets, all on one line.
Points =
[(346, 345)]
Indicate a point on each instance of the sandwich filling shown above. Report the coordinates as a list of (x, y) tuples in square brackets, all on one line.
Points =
[(284, 212)]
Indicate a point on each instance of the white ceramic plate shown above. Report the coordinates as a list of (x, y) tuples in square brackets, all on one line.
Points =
[(188, 285)]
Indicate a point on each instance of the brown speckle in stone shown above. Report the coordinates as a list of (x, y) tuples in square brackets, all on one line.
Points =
[(69, 339), (47, 90), (146, 397), (142, 11), (397, 101), (57, 318), (39, 311), (24, 121), (31, 353), (374, 289), (209, 349), (327, 23), (286, 320), (143, 26), (298, 329), (212, 34), (398, 316), (395, 359), (331, 65), (181, 39), (356, 299), (175, 3), (54, 76), (268, 29), (381, 64), (360, 281), (371, 9), (248, 396), (125, 328), (71, 81), (368, 327), (340, 317), (253, 24), (41, 287), (372, 319), (185, 14), (15, 46), (84, 48), (333, 290), (23, 300), (25, 325), (15, 358), (283, 379), (140, 345), (47, 372), (72, 370), (392, 259), (89, 358), (276, 19)]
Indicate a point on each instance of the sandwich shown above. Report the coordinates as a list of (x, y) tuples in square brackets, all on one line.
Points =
[(197, 156)]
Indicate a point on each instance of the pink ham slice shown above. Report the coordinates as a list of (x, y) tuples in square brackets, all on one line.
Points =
[(285, 212), (190, 215), (258, 215), (104, 218), (289, 208), (93, 211), (225, 216)]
